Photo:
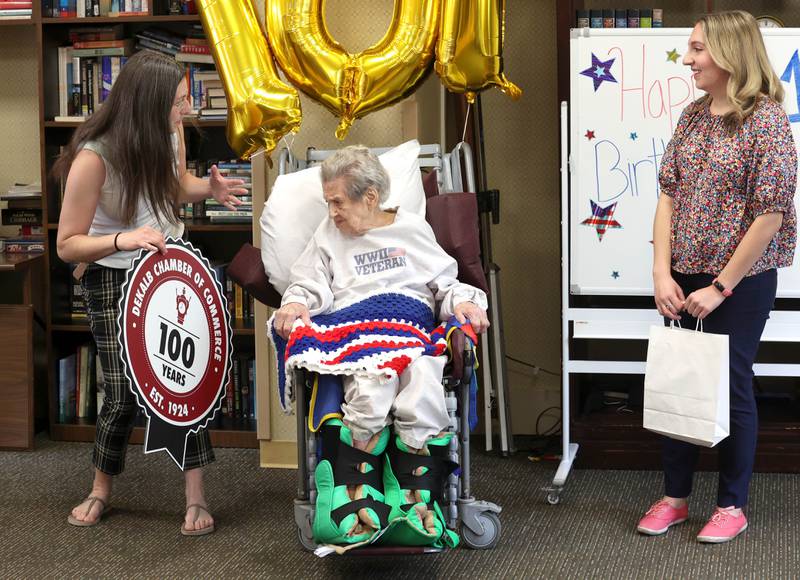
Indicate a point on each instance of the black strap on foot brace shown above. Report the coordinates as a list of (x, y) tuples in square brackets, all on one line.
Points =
[(438, 466), (346, 461)]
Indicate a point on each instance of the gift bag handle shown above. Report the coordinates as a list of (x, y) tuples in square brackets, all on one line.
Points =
[(697, 327)]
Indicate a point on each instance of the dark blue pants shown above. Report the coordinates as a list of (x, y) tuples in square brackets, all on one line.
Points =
[(742, 317)]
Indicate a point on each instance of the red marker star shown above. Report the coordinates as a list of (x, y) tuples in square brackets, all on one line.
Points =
[(589, 135)]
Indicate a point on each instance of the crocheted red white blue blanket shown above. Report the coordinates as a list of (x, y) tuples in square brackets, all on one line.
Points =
[(378, 336)]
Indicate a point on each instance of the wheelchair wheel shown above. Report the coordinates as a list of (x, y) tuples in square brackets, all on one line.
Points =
[(307, 542), (490, 536)]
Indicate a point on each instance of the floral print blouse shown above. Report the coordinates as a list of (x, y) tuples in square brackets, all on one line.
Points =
[(721, 183)]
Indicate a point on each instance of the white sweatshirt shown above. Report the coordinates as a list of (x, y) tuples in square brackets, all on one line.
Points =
[(337, 269)]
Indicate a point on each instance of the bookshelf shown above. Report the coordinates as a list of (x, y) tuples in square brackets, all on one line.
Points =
[(205, 140), (609, 433)]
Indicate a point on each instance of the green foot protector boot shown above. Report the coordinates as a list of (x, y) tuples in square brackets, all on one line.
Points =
[(350, 502), (413, 484)]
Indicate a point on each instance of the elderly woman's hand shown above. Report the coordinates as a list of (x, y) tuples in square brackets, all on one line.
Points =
[(476, 315), (287, 314)]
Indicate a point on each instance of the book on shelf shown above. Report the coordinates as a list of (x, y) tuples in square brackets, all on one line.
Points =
[(66, 388), (194, 57), (15, 9), (77, 304), (79, 384), (20, 217), (24, 245)]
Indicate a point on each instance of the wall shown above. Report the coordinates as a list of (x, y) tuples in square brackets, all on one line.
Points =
[(19, 110), (522, 157)]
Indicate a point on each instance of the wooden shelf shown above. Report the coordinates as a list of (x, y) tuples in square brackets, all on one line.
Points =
[(187, 122), (73, 326), (243, 327), (17, 21), (240, 327), (241, 433), (610, 439), (147, 18), (205, 225)]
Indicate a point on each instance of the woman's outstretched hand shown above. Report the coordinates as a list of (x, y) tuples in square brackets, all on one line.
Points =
[(225, 190)]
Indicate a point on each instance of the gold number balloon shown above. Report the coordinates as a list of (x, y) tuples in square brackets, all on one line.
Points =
[(352, 85), (469, 51), (261, 107)]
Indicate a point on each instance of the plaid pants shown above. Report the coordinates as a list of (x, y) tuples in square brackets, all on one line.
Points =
[(101, 290)]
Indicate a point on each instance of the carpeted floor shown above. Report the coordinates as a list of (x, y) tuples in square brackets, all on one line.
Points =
[(589, 535)]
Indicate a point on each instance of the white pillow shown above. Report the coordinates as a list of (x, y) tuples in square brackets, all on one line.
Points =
[(296, 207)]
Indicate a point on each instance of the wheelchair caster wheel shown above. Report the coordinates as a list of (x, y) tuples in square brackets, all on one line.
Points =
[(553, 498), (490, 536), (307, 542)]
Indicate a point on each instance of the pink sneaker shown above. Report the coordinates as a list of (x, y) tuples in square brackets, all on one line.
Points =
[(660, 517), (722, 527)]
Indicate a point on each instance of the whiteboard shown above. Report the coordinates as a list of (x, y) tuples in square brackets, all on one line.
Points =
[(627, 91)]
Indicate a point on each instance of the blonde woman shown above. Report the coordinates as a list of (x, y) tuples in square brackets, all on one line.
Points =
[(724, 224)]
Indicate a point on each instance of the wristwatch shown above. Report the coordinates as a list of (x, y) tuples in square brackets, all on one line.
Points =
[(718, 285)]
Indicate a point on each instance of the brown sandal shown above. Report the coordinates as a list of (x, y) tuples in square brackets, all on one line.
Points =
[(201, 531), (84, 524)]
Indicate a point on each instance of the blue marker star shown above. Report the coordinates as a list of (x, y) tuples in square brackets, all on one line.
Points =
[(599, 71), (615, 274), (634, 136)]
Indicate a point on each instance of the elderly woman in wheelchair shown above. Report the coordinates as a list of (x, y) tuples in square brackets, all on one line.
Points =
[(361, 304)]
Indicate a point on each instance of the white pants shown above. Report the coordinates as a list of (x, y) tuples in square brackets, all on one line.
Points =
[(415, 399)]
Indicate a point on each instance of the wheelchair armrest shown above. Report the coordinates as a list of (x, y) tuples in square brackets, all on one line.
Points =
[(460, 355), (247, 270)]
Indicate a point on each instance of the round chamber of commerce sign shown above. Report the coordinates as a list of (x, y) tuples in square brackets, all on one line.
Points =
[(175, 334)]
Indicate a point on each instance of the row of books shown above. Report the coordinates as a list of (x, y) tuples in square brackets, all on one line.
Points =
[(80, 384), (240, 393), (88, 68), (94, 8), (205, 85), (241, 303), (81, 389), (15, 9), (211, 208), (620, 18)]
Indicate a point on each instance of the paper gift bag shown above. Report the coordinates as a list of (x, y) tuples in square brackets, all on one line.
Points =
[(686, 385)]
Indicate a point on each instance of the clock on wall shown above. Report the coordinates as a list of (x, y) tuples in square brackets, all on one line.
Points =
[(769, 22)]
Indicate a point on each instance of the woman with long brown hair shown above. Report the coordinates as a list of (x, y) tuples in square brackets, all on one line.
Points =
[(725, 222), (126, 177)]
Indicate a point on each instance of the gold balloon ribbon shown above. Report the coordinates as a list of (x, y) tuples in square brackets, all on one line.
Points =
[(469, 51), (352, 85), (261, 107)]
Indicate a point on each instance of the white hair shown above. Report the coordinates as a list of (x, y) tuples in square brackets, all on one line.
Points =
[(361, 170)]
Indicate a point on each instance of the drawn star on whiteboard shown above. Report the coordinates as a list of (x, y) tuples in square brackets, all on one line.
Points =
[(672, 56), (615, 274), (589, 134), (634, 136), (599, 71), (602, 219)]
